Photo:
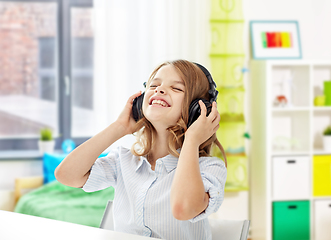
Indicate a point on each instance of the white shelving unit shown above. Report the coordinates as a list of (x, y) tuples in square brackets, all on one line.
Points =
[(293, 134)]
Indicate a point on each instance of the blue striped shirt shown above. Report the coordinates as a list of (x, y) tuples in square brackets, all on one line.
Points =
[(142, 196)]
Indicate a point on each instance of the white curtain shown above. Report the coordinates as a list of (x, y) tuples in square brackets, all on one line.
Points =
[(132, 37)]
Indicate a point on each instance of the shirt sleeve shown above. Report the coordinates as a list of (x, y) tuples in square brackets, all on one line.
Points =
[(213, 173), (103, 172)]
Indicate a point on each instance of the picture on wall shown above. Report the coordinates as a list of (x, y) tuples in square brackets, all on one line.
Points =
[(275, 39)]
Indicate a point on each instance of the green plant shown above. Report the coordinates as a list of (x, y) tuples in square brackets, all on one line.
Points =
[(327, 131), (46, 134)]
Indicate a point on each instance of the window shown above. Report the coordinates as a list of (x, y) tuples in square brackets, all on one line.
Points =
[(46, 71)]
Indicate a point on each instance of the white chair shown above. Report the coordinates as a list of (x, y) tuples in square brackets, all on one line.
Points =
[(107, 221), (221, 229), (229, 229)]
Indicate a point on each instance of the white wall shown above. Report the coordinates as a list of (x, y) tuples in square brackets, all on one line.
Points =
[(313, 16)]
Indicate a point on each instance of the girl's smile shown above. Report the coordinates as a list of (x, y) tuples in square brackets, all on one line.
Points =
[(158, 102)]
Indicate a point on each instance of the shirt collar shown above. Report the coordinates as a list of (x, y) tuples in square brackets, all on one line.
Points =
[(141, 160), (169, 161)]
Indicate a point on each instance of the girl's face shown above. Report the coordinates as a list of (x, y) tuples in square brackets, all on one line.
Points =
[(164, 97)]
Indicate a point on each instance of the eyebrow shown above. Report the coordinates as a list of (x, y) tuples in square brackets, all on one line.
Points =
[(175, 81)]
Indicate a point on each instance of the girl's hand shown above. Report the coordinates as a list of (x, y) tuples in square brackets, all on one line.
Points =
[(204, 127), (125, 120)]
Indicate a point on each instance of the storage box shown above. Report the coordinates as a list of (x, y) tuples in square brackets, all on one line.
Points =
[(322, 175), (322, 219), (290, 178), (231, 136), (227, 71), (327, 93), (291, 220), (230, 104), (237, 172), (226, 38), (226, 9)]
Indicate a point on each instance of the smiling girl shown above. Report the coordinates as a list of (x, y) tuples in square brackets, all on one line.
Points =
[(167, 184)]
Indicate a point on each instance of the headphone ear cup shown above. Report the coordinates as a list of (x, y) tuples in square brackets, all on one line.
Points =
[(195, 110), (137, 107)]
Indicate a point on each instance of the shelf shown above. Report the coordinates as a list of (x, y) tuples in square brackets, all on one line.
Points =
[(322, 198), (291, 109), (290, 153), (324, 108), (289, 132), (321, 119), (235, 189), (321, 152), (292, 82), (290, 199)]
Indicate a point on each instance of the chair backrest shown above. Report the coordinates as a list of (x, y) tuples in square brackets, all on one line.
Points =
[(107, 221), (229, 229), (221, 229)]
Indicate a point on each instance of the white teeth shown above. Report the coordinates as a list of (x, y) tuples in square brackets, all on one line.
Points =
[(160, 102)]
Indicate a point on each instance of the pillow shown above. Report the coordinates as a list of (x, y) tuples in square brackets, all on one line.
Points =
[(51, 161)]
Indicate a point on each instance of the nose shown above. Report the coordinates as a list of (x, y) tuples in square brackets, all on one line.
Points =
[(159, 89)]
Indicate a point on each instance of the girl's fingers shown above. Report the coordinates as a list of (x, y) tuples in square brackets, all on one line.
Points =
[(217, 118), (214, 112), (216, 128), (130, 100), (214, 107), (203, 108)]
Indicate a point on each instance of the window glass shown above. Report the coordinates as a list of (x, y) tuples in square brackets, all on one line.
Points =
[(28, 69), (82, 112)]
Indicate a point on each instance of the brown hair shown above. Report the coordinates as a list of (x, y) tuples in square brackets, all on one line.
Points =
[(197, 86)]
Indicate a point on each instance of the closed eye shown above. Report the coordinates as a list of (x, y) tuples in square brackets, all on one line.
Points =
[(178, 89)]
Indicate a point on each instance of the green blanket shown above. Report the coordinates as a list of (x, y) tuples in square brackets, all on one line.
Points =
[(57, 201)]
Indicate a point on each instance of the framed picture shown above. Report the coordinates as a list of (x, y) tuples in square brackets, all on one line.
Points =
[(275, 39)]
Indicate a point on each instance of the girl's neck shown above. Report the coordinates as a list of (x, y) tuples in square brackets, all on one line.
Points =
[(160, 148)]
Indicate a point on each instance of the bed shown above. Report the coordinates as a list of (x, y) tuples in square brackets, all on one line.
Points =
[(54, 200), (57, 201)]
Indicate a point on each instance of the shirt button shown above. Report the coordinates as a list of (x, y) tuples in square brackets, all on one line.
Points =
[(139, 213)]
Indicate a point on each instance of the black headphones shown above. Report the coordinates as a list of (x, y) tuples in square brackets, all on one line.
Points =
[(194, 109)]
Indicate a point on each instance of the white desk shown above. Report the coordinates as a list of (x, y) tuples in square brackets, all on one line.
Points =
[(15, 226)]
